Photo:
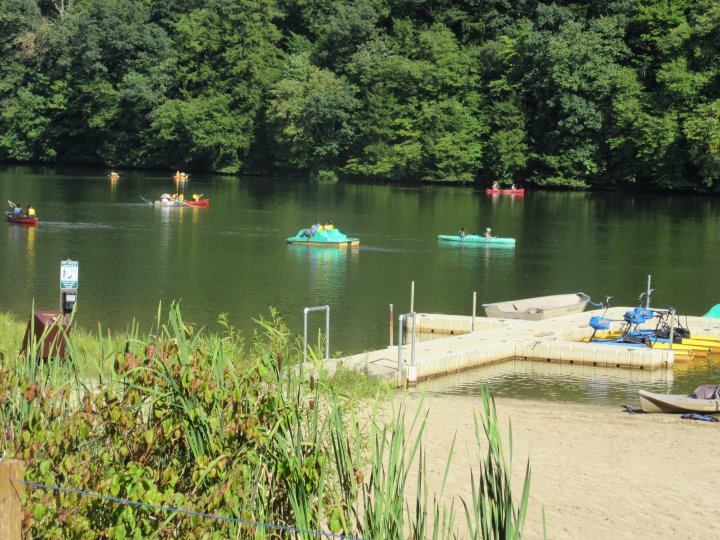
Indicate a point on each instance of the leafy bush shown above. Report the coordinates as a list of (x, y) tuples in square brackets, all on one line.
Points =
[(190, 420)]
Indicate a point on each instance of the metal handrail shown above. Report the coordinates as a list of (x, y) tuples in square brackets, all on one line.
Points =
[(401, 319), (327, 329)]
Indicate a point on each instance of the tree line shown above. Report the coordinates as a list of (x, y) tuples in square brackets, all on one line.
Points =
[(622, 93)]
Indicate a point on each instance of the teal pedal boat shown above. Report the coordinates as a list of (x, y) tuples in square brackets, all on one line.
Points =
[(324, 238), (475, 239)]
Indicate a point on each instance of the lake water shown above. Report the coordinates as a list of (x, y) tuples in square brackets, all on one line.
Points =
[(232, 257)]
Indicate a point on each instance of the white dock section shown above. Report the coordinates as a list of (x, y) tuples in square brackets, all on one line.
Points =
[(497, 340)]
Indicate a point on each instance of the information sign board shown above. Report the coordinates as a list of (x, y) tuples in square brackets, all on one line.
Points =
[(69, 274)]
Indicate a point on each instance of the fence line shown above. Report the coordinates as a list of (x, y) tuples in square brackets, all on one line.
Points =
[(130, 502)]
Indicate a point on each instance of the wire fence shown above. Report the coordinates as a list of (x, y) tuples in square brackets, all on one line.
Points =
[(157, 507)]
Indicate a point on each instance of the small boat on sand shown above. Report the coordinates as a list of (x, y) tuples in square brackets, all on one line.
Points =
[(478, 240), (539, 308), (676, 403), (324, 238)]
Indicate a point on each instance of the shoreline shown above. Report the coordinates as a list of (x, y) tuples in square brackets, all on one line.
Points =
[(596, 471)]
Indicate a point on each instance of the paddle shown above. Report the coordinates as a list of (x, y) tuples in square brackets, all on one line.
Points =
[(12, 204)]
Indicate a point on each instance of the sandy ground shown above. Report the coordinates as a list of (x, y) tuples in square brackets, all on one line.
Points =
[(597, 471)]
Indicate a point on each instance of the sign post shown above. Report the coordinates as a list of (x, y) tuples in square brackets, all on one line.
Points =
[(69, 271)]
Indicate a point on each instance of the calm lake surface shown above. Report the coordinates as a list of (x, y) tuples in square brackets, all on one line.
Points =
[(232, 258)]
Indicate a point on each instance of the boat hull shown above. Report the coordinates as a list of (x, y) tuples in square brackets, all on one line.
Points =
[(331, 238), (474, 239), (505, 191), (676, 403), (539, 308), (202, 202), (25, 220), (180, 204)]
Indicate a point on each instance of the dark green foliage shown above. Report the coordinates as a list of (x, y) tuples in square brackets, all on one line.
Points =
[(573, 94)]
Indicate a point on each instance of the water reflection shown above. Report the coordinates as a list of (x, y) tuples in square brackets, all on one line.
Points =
[(326, 269), (555, 382), (30, 256)]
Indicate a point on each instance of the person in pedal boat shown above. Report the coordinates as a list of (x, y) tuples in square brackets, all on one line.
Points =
[(461, 232), (488, 233)]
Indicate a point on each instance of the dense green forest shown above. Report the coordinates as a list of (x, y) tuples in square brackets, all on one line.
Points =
[(621, 93)]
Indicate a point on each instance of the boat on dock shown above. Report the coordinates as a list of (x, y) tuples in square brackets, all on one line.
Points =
[(539, 308), (477, 240), (323, 238), (676, 403)]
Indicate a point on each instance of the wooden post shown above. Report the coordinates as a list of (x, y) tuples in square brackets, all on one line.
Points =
[(390, 322), (10, 505)]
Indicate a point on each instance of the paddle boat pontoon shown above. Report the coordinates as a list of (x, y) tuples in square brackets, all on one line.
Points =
[(678, 339), (324, 238), (477, 240), (539, 308)]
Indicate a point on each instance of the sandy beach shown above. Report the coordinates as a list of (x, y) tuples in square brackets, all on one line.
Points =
[(597, 471)]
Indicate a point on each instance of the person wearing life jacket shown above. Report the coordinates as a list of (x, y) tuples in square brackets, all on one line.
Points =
[(181, 197), (30, 211), (329, 225), (196, 196)]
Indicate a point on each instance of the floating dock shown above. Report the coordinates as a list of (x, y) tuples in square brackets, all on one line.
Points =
[(473, 342)]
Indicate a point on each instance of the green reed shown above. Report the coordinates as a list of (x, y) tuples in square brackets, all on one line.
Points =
[(182, 417)]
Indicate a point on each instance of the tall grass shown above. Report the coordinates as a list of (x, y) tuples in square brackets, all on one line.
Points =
[(182, 417)]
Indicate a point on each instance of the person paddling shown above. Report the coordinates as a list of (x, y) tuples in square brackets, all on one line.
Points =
[(488, 233)]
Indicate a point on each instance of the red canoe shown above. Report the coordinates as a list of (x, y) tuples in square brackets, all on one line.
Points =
[(21, 220), (505, 191), (202, 202)]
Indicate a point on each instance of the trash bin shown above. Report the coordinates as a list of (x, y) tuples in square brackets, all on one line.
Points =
[(52, 328)]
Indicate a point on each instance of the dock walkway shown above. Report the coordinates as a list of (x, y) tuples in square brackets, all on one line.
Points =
[(496, 340)]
